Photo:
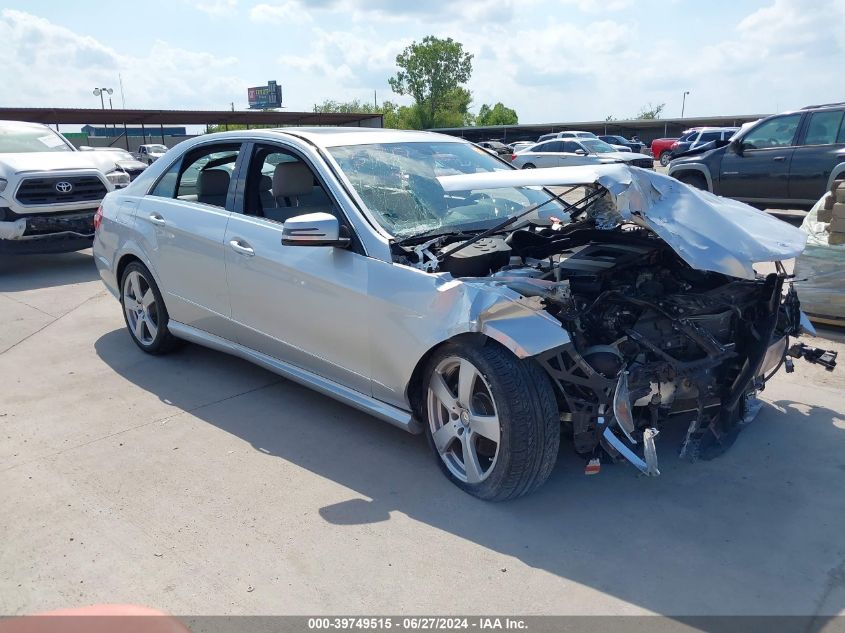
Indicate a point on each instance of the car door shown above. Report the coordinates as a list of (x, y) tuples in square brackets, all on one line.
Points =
[(820, 149), (305, 305), (541, 155), (182, 223), (759, 170)]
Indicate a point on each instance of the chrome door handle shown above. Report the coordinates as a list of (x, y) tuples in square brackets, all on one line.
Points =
[(779, 159), (155, 218), (242, 248)]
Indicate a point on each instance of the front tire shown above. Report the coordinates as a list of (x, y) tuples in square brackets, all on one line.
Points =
[(665, 157), (491, 420), (144, 311)]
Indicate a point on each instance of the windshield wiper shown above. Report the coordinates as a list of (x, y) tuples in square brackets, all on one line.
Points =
[(589, 198)]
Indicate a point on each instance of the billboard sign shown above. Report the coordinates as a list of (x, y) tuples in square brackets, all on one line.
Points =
[(265, 97)]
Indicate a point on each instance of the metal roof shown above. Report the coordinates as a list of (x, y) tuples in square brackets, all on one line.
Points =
[(185, 117), (710, 121)]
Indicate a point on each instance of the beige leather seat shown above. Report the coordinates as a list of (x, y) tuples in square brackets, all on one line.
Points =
[(212, 187), (294, 193)]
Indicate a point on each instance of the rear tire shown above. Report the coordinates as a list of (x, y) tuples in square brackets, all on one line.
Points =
[(529, 166), (665, 157), (491, 419), (144, 311), (693, 179)]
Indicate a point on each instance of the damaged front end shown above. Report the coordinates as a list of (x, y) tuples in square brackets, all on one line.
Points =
[(666, 320)]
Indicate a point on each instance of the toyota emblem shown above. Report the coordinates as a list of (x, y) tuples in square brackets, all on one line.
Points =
[(64, 186)]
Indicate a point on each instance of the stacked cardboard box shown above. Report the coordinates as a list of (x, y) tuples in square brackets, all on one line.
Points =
[(836, 202)]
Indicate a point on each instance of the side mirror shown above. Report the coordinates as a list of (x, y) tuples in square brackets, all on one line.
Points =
[(736, 146), (313, 229), (581, 152)]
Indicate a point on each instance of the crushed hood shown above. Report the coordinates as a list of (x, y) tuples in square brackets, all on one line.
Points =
[(55, 161), (707, 231)]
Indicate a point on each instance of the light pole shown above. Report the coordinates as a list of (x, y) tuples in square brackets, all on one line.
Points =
[(98, 92), (684, 103)]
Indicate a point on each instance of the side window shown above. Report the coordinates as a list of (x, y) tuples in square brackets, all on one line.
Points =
[(706, 137), (823, 128), (779, 132), (570, 147), (206, 174), (541, 147), (280, 185), (166, 186)]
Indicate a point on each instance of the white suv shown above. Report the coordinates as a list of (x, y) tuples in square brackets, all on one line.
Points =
[(49, 192)]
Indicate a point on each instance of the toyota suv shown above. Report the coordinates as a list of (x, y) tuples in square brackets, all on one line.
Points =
[(786, 160), (49, 192)]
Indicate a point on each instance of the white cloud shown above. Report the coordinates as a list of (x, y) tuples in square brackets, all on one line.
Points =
[(367, 11), (216, 8), (39, 54), (287, 12)]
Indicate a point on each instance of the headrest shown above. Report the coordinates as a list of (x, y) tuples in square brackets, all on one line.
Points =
[(265, 184), (214, 182), (292, 179)]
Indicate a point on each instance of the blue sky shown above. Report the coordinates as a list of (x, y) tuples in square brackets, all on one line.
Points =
[(551, 60)]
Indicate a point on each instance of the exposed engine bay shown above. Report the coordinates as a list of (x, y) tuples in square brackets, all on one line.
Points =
[(652, 338)]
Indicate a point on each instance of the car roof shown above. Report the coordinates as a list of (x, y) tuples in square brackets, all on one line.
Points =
[(335, 136)]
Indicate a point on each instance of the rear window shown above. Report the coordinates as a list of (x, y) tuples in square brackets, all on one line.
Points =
[(824, 128)]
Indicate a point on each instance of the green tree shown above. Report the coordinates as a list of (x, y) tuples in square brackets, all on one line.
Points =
[(499, 114), (650, 111), (431, 72)]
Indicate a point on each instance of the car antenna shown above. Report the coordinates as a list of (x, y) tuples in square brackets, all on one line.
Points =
[(591, 197)]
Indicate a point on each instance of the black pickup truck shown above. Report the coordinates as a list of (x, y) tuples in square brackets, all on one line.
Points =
[(786, 160)]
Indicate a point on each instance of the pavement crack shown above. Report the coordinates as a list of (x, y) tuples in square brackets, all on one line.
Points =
[(6, 295), (54, 321)]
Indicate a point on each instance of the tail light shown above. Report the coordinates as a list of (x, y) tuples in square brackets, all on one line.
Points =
[(98, 218), (513, 157)]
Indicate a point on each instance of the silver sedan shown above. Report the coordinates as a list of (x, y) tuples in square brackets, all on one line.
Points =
[(577, 151), (418, 278)]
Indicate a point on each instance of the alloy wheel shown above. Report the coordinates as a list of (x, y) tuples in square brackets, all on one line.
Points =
[(463, 420), (141, 308)]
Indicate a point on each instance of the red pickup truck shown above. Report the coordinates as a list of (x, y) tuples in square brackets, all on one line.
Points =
[(661, 148)]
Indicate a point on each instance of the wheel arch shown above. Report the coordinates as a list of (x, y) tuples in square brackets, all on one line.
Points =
[(507, 333), (695, 168), (837, 172)]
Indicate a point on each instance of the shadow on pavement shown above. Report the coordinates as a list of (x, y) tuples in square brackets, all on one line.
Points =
[(748, 533), (27, 272)]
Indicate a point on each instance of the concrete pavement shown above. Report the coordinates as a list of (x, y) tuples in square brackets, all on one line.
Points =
[(199, 484)]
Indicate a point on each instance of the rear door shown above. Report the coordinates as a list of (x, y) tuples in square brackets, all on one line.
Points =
[(543, 155), (760, 173), (821, 148), (182, 222)]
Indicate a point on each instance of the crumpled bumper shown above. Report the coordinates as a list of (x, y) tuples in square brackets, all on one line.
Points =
[(48, 233)]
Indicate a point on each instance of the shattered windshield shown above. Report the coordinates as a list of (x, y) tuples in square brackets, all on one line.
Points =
[(398, 183)]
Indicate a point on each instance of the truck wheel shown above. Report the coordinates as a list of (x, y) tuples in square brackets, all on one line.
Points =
[(693, 179), (665, 157), (492, 420)]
